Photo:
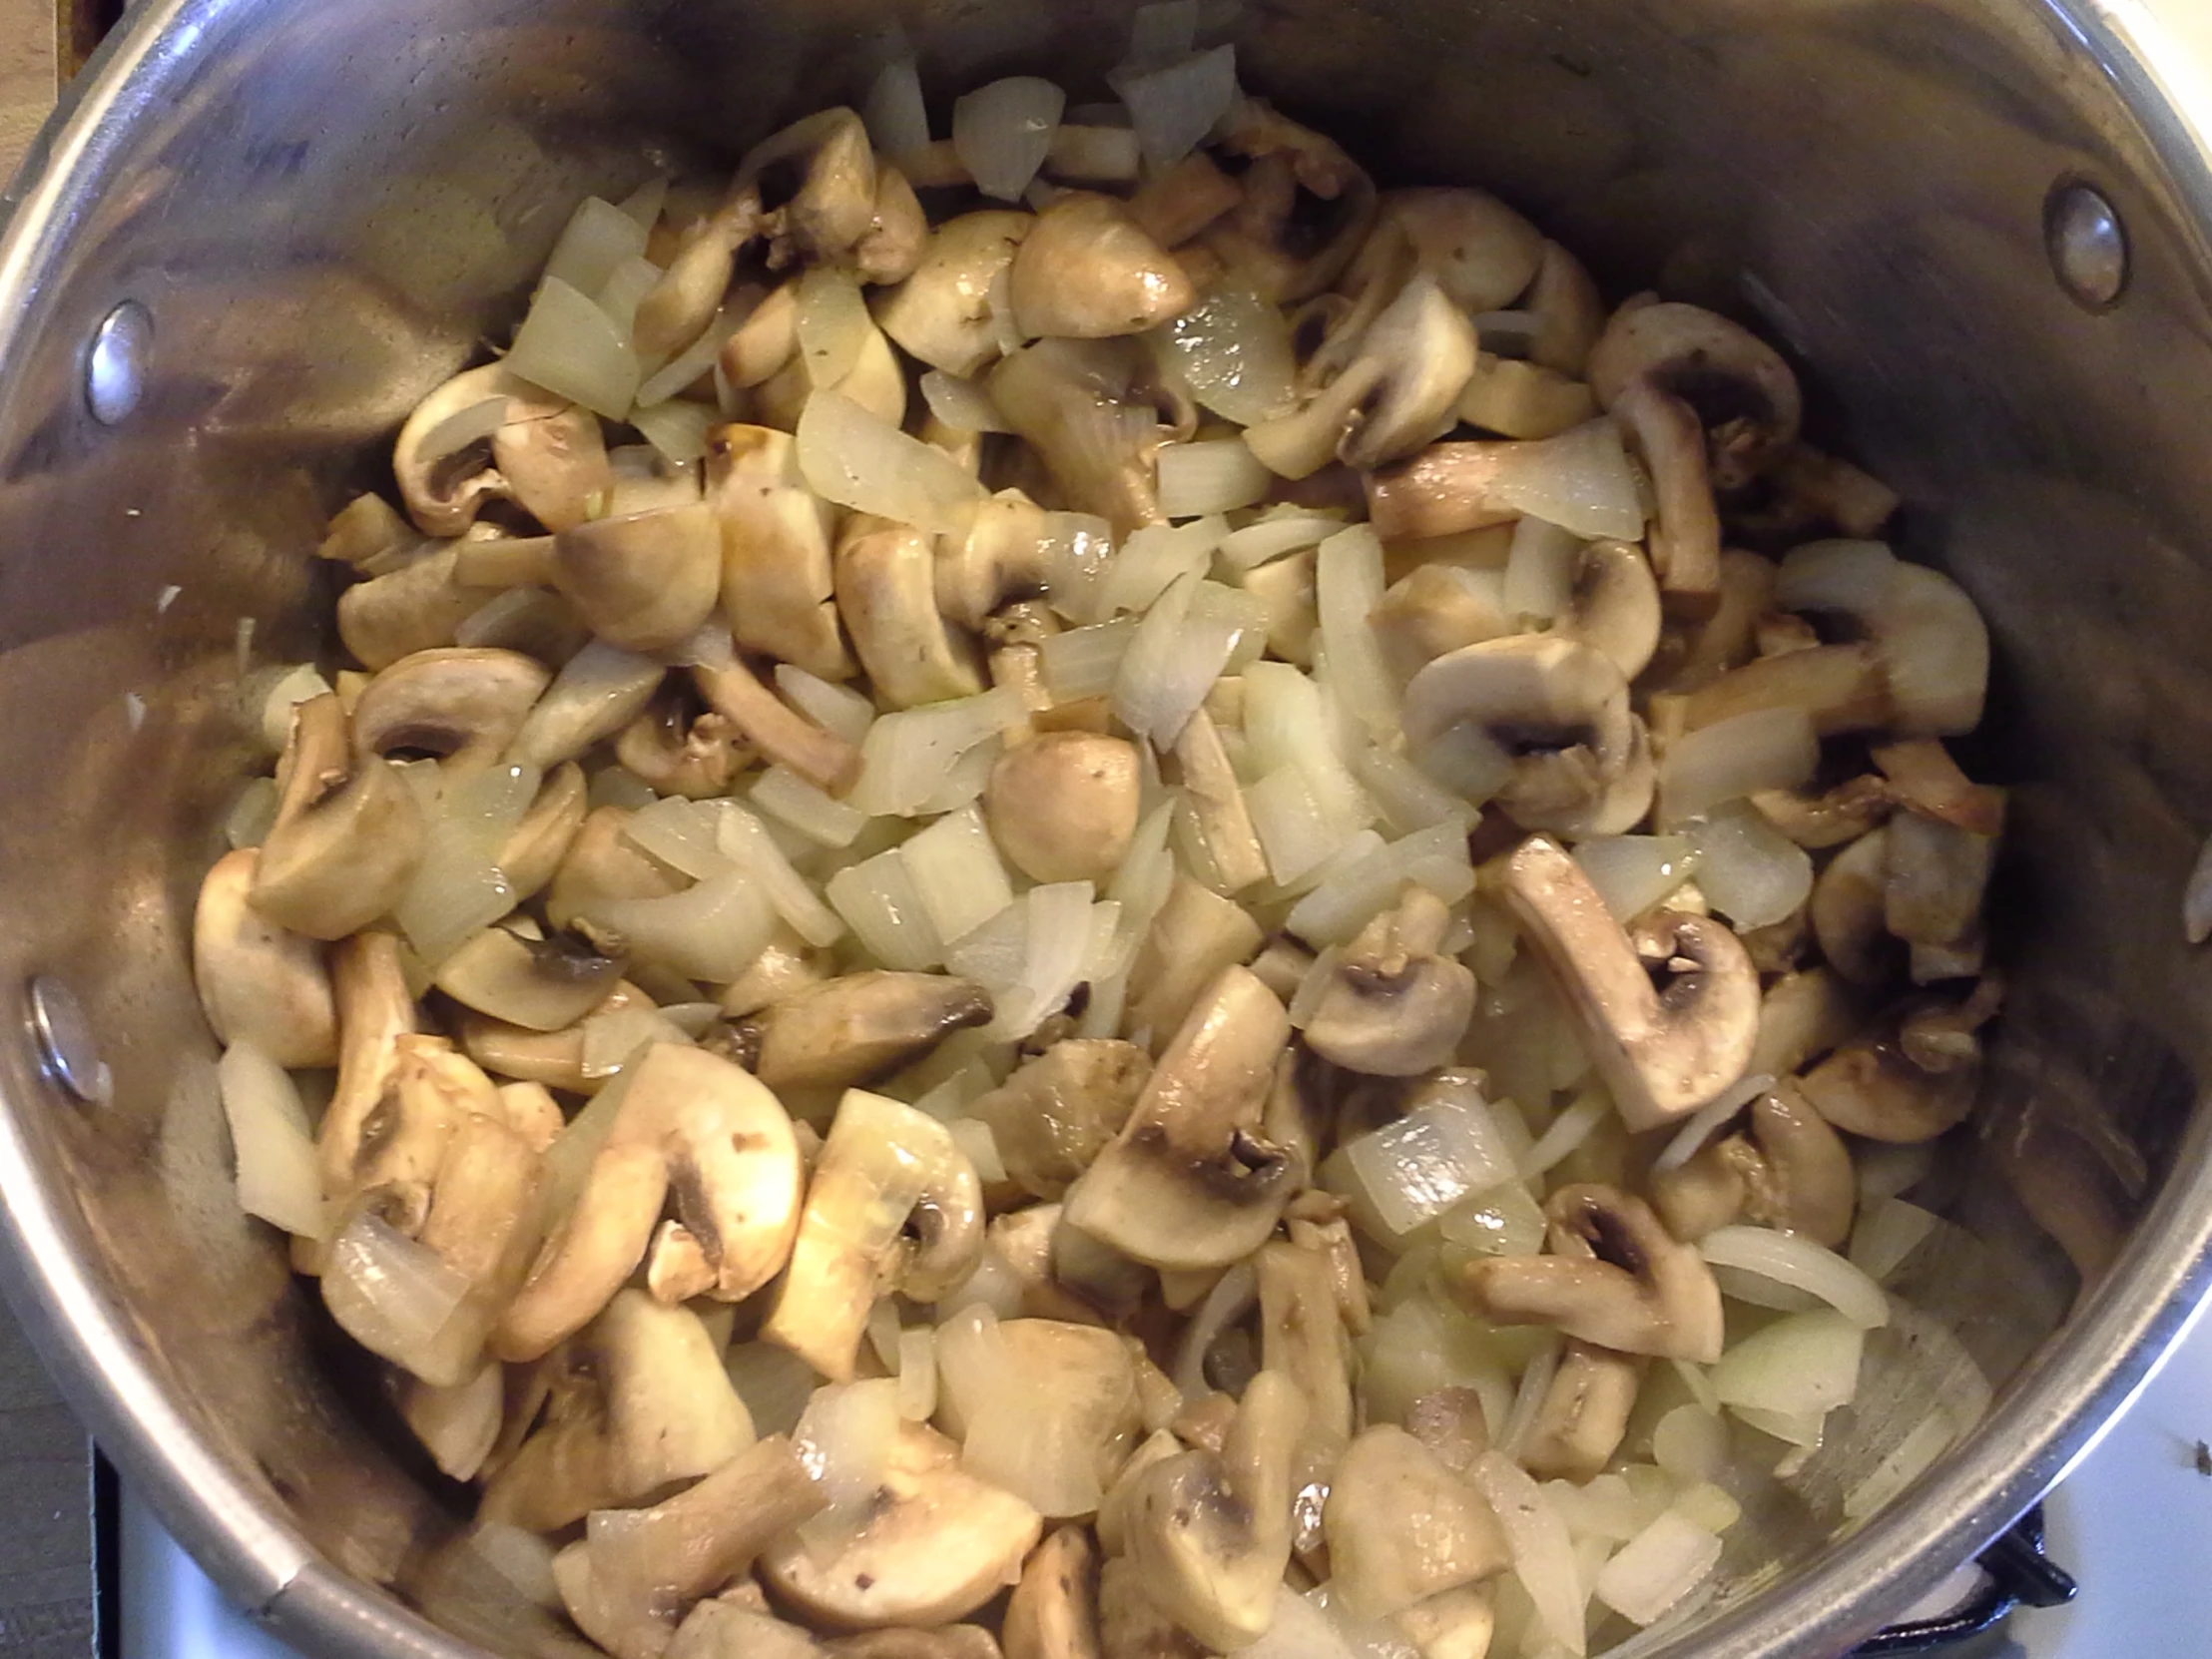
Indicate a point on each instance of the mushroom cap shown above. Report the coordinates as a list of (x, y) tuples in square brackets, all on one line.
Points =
[(938, 1544), (1401, 1527), (777, 580), (1743, 394), (446, 476), (858, 1027), (348, 836), (1087, 271), (1481, 252), (553, 457), (823, 171), (886, 587), (1540, 722), (541, 984), (462, 704), (258, 983), (1063, 806), (645, 580), (942, 312), (1614, 605), (535, 846), (1423, 349)]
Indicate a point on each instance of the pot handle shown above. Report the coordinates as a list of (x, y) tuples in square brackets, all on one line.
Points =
[(2018, 1576)]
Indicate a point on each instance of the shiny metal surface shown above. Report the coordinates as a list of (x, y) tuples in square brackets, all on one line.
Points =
[(328, 206), (116, 364), (2088, 245), (67, 1049)]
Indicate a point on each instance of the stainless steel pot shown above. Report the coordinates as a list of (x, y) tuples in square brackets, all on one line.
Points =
[(308, 212)]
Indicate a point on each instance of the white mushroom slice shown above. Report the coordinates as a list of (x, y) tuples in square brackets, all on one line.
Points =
[(1285, 252), (442, 460), (1569, 311), (1087, 271), (858, 1027), (777, 581), (1613, 605), (538, 842), (676, 310), (1175, 206), (1063, 806), (1662, 1053), (1802, 1016), (1686, 534), (946, 1641), (765, 343), (672, 1413), (1046, 1409), (365, 533), (432, 1091), (886, 588), (1616, 1278), (604, 864), (554, 460), (541, 984), (1051, 1118), (258, 983), (348, 836), (598, 692), (645, 581), (462, 706), (898, 235), (1053, 1612), (1834, 816), (1401, 1527), (1848, 911), (1189, 1183), (1196, 935), (942, 312), (1482, 253), (895, 1205), (1910, 1079), (1434, 610), (1455, 1624), (410, 608), (1584, 1414), (1302, 1336), (778, 731), (1001, 560), (374, 1010), (678, 747), (1541, 724), (1211, 1532), (1519, 399), (1744, 394), (822, 172), (938, 1544), (1396, 1006), (557, 1475), (1725, 640)]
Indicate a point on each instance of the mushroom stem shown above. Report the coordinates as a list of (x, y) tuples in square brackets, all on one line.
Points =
[(777, 730), (374, 1010), (1686, 540)]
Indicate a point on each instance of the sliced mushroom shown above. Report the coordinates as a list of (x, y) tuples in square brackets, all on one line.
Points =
[(1050, 1119), (765, 343), (896, 236), (777, 581), (1401, 1527), (777, 730), (558, 1474), (819, 176), (1302, 1336), (1519, 399), (258, 983), (1711, 1190), (1482, 253), (679, 748), (1541, 724), (1840, 687), (365, 533), (432, 1092), (554, 460), (936, 1545), (893, 1205), (786, 965), (552, 1059), (348, 836), (1700, 652), (1616, 1278), (645, 581), (728, 1627), (1848, 911), (1002, 559), (1570, 310), (1434, 611), (942, 314), (676, 310), (1189, 1183), (1053, 1612), (1613, 606), (946, 1641), (374, 1010), (1934, 877), (1662, 1052), (1087, 271), (409, 608), (1063, 806), (1922, 773), (1075, 403), (541, 984), (1228, 847), (860, 1027), (442, 460), (1894, 1084), (1584, 1414), (1664, 433), (1454, 1624), (1396, 1005), (1831, 817), (1211, 1532), (1744, 394), (1195, 936), (462, 706), (1801, 1017), (672, 1413), (538, 842), (602, 863), (1289, 254), (886, 590)]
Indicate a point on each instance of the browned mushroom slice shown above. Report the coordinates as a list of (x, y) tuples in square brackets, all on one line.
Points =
[(1272, 241), (409, 608), (1831, 817), (777, 730), (1088, 270), (348, 836), (1052, 1117), (1396, 1006), (1401, 1527), (942, 312), (886, 588), (1840, 687), (1053, 1612), (860, 1027), (776, 551), (1912, 1078), (1686, 537), (462, 706), (645, 581), (1076, 403), (676, 747), (1744, 394)]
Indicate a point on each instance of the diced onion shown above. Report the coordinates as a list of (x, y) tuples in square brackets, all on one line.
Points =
[(1175, 106), (399, 1299), (1409, 798), (278, 1176), (1294, 833), (522, 1559), (918, 1373), (644, 204), (681, 833), (572, 348), (1850, 576), (710, 932), (1657, 1568), (773, 1382), (1151, 560), (860, 460), (1766, 748), (1530, 1392), (1503, 1221), (1748, 870), (1162, 30), (744, 841), (1273, 536), (1001, 131), (1233, 350), (1213, 475), (1540, 569), (1179, 650), (832, 322), (820, 818), (1543, 1553), (979, 1146), (961, 404), (1083, 662), (625, 289), (250, 815), (1690, 1444), (1634, 872), (880, 902), (957, 874), (613, 1037), (1076, 550), (1568, 1131), (1887, 1236), (1801, 1364), (598, 237), (1702, 1123), (834, 707), (1040, 1444), (1796, 1262), (457, 888), (1348, 585), (695, 360), (897, 120), (1056, 939), (1407, 1172), (1350, 898), (907, 754), (1580, 480), (678, 430), (1234, 1295)]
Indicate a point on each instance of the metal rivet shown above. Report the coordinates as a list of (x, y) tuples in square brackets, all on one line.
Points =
[(66, 1049), (2087, 243), (115, 367)]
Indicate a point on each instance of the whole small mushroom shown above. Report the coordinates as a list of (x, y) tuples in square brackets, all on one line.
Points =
[(1063, 806), (1087, 271)]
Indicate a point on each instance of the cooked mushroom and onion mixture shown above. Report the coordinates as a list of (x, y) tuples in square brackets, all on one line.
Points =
[(1074, 893)]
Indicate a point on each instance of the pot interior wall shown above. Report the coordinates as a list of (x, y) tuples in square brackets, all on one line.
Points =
[(326, 208)]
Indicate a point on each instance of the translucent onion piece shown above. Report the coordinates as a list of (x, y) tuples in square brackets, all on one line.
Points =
[(832, 707), (710, 932), (860, 460), (625, 289), (1077, 549), (1568, 1130), (1657, 1568), (1540, 569), (820, 818), (676, 430), (1543, 1556), (646, 202), (1887, 1235), (1299, 1629), (898, 120), (1163, 32), (1790, 1260), (457, 888), (1235, 1294), (1179, 650), (746, 841), (1634, 872), (1690, 1444), (918, 1373), (1580, 480), (1001, 131), (1294, 833), (1529, 1393), (1057, 937), (598, 237), (1233, 350), (1504, 1221), (681, 833), (1175, 106), (961, 404), (1748, 870), (1701, 1125), (1835, 576), (1407, 796), (1269, 538), (845, 1437), (251, 817), (980, 1147), (1353, 895), (275, 1150), (572, 348), (774, 1384), (615, 1036), (1213, 475), (693, 363), (523, 1560), (907, 754), (957, 874), (399, 1299), (1347, 585), (1153, 559), (1284, 713), (1767, 748), (833, 324), (880, 902), (1801, 1364), (1407, 1173)]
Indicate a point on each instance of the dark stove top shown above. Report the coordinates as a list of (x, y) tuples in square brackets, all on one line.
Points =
[(47, 1578)]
